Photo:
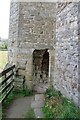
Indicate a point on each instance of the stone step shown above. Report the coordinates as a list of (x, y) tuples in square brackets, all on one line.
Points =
[(19, 82), (38, 113), (37, 104), (19, 78), (39, 101), (39, 97)]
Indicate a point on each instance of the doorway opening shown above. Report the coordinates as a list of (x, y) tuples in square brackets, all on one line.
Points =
[(40, 66)]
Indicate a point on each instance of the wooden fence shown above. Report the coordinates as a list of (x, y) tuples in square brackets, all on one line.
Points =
[(6, 83)]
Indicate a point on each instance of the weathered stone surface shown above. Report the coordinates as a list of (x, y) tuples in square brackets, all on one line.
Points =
[(19, 82), (21, 72), (39, 97), (39, 101), (37, 104), (51, 26), (38, 113), (66, 50)]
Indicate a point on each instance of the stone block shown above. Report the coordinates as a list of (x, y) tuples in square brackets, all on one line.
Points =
[(39, 97), (21, 72), (38, 113), (37, 104)]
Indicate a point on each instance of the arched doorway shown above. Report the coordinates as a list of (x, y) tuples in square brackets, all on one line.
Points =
[(40, 67)]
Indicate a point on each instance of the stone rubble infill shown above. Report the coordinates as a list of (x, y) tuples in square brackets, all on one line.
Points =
[(41, 88), (38, 104)]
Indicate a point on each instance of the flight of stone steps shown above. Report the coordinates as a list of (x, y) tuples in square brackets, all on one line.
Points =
[(19, 82)]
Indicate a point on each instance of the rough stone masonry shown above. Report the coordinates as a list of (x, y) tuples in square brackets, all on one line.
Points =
[(44, 44)]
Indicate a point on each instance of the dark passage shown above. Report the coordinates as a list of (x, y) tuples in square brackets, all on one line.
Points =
[(40, 66)]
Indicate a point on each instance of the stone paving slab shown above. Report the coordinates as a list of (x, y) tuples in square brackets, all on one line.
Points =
[(38, 113), (37, 105), (39, 97)]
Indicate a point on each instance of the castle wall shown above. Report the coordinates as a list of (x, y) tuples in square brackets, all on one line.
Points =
[(52, 26), (36, 31), (66, 52), (13, 33), (79, 52)]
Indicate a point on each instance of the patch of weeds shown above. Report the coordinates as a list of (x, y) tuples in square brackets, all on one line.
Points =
[(47, 111), (27, 92), (18, 93), (6, 103), (51, 93), (57, 106), (30, 113), (0, 113), (23, 93)]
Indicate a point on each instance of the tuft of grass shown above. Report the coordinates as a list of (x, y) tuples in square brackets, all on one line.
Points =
[(27, 92), (57, 106), (52, 92), (23, 93), (0, 113), (30, 113), (6, 103)]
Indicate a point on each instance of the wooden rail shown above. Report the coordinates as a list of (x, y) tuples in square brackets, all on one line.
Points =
[(6, 84)]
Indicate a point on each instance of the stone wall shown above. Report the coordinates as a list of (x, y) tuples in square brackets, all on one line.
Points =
[(35, 31), (51, 26), (13, 32), (79, 52), (66, 52)]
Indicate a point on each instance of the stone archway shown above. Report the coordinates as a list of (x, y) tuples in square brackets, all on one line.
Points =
[(40, 67)]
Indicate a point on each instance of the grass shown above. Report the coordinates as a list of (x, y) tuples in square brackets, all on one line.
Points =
[(3, 59), (0, 113), (6, 103), (30, 113), (23, 93), (57, 106)]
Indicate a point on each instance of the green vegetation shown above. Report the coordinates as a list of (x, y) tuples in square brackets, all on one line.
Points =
[(0, 113), (57, 106), (30, 113), (4, 45), (6, 103), (3, 59), (23, 93)]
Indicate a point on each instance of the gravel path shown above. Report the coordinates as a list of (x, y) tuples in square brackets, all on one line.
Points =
[(22, 105), (19, 107)]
